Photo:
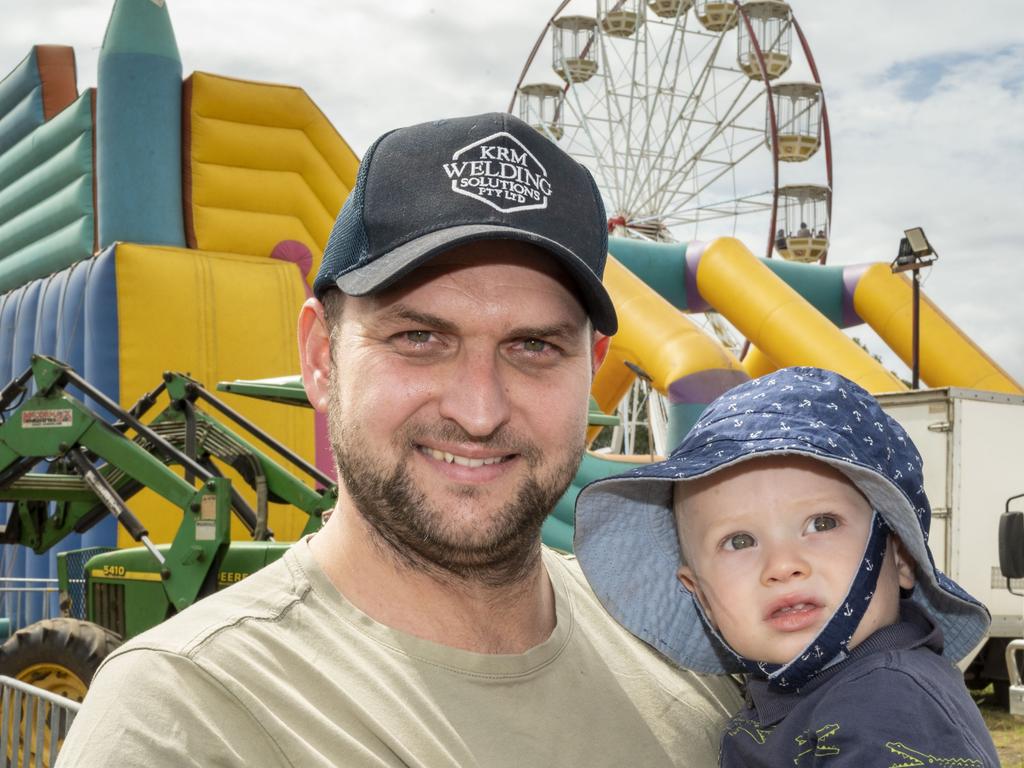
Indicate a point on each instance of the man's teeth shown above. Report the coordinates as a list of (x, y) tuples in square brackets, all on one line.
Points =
[(462, 461)]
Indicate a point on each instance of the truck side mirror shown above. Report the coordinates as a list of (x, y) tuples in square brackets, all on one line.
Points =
[(1011, 544)]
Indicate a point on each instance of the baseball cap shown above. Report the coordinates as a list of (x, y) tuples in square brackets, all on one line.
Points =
[(424, 189), (626, 539)]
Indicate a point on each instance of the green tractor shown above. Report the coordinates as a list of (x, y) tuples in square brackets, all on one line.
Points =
[(94, 466)]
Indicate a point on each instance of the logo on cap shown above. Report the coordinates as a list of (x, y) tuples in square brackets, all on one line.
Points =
[(500, 171)]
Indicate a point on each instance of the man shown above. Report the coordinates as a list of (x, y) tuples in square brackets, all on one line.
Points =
[(458, 320)]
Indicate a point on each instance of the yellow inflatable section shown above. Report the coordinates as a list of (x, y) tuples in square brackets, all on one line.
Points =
[(655, 336), (215, 316), (262, 165), (948, 358), (663, 342), (779, 322)]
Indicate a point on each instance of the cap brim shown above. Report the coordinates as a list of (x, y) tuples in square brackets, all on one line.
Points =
[(387, 269)]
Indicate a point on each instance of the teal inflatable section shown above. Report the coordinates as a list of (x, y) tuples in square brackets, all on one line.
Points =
[(47, 210), (21, 103), (661, 265)]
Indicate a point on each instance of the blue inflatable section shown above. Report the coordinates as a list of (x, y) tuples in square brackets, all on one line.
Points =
[(50, 316)]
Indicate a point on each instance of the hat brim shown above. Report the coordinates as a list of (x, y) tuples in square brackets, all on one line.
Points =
[(390, 267), (627, 545)]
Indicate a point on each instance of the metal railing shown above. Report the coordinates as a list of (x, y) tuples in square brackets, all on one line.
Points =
[(1013, 650), (32, 725), (26, 600)]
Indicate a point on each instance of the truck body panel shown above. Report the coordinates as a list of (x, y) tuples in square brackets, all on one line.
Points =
[(970, 442)]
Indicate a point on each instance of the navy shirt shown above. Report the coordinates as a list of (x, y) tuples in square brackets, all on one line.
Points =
[(894, 701)]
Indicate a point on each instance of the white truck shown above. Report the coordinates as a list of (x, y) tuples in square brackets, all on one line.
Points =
[(972, 443)]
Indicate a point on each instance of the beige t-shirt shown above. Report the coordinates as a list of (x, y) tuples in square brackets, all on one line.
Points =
[(281, 670)]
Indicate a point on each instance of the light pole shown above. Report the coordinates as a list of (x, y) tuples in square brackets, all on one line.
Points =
[(915, 253)]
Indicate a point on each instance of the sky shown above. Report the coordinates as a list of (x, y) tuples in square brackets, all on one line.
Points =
[(925, 102)]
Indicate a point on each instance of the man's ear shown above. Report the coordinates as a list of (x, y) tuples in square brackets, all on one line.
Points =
[(904, 565), (601, 345), (315, 354)]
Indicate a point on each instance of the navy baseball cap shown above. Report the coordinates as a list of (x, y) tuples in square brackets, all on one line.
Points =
[(427, 188), (626, 539)]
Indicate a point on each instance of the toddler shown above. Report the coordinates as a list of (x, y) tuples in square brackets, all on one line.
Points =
[(786, 539)]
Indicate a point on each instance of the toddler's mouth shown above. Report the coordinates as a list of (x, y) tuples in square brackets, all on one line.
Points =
[(793, 615), (786, 609)]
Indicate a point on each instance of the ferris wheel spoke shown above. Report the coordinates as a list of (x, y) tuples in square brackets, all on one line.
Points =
[(694, 214), (619, 119), (588, 127), (757, 202), (673, 185), (658, 111)]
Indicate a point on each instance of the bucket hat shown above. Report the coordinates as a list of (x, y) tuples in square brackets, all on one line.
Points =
[(626, 539), (424, 189)]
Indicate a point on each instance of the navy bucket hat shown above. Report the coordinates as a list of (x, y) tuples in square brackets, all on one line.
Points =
[(626, 539)]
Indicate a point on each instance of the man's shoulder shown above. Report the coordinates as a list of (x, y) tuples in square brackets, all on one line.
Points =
[(263, 596), (628, 656)]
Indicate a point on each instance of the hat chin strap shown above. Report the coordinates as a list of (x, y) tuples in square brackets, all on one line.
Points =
[(831, 645)]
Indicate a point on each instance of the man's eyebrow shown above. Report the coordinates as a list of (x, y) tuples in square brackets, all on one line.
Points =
[(404, 313), (565, 330)]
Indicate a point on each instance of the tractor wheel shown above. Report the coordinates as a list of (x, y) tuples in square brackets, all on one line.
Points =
[(58, 655)]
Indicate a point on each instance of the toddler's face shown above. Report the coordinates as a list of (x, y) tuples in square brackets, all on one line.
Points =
[(771, 547)]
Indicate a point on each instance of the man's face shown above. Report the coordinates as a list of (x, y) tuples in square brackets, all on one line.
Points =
[(458, 404), (772, 547)]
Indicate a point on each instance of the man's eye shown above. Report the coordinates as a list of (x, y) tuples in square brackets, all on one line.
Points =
[(822, 523), (739, 541), (417, 337), (536, 345)]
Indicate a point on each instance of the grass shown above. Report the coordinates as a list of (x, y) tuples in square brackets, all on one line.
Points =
[(1007, 730)]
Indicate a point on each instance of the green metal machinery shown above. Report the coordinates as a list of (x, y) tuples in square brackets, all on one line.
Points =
[(93, 466)]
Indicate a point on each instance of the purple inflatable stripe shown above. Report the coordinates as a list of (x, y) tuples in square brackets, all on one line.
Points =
[(694, 301), (704, 386), (851, 277)]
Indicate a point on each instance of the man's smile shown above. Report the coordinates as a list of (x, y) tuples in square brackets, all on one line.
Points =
[(464, 461)]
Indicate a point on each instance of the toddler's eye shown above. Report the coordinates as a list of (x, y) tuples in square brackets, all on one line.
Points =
[(739, 541), (823, 523)]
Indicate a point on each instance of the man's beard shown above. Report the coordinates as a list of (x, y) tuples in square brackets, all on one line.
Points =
[(419, 534)]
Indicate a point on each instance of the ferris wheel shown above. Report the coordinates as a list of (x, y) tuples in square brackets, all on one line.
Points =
[(679, 110), (697, 119)]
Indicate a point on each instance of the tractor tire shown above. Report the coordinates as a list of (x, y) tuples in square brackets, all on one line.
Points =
[(57, 655)]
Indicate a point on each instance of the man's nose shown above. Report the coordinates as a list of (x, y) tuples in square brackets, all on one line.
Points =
[(783, 562), (475, 396)]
